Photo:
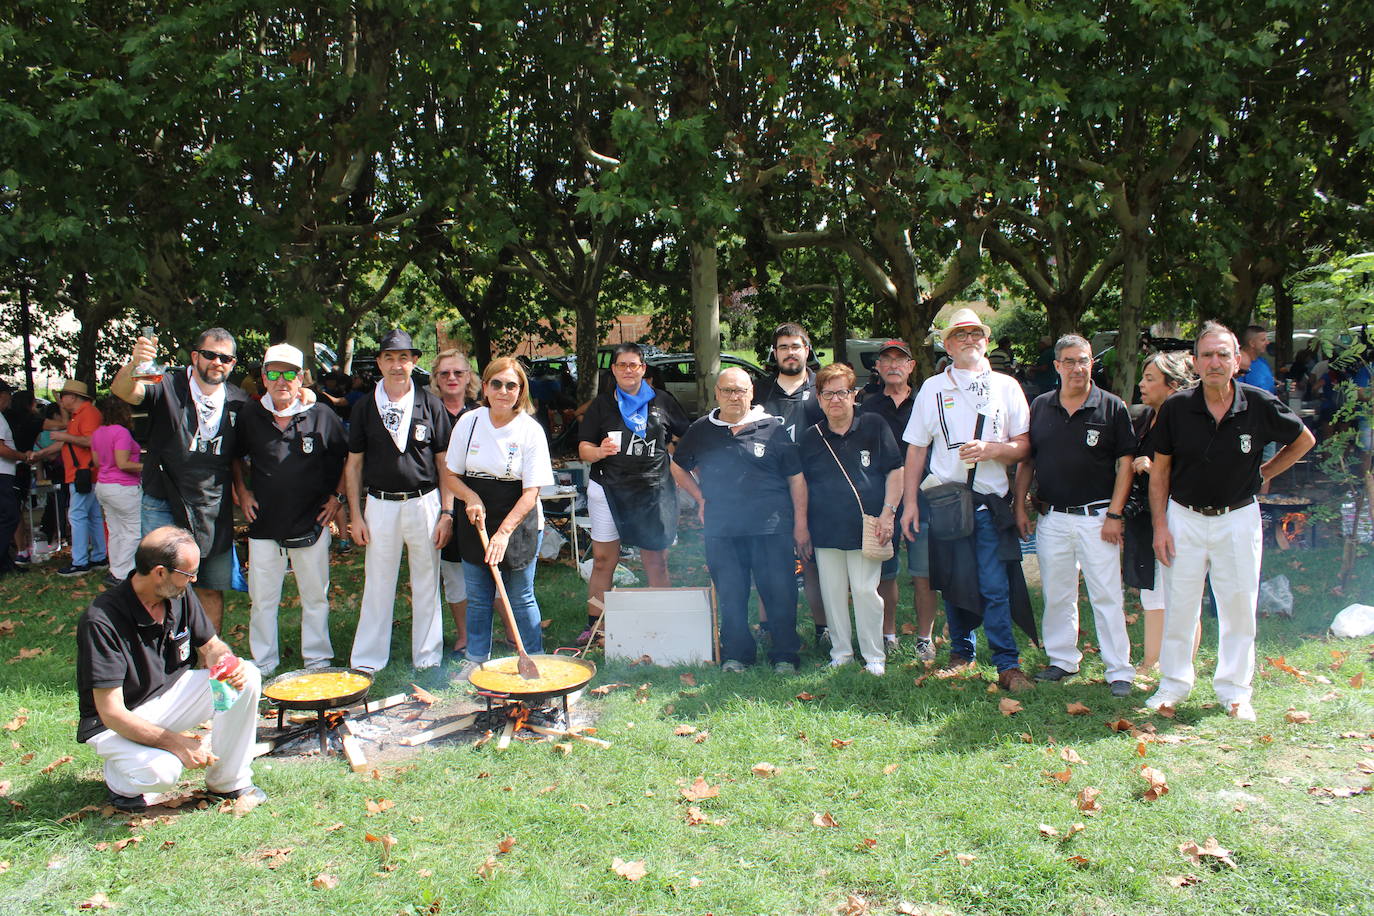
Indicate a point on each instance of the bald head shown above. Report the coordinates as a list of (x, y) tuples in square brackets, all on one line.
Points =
[(734, 391), (167, 546)]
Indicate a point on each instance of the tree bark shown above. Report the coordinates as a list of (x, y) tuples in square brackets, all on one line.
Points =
[(705, 315), (1283, 324), (1134, 268)]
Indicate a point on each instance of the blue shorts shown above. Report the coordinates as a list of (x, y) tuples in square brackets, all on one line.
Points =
[(917, 557), (215, 572)]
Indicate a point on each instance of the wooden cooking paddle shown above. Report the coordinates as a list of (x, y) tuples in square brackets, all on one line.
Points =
[(524, 664)]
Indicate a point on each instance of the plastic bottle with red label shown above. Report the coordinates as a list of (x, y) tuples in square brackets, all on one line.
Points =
[(223, 694)]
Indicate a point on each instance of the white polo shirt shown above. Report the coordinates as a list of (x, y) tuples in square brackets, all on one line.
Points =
[(7, 465), (945, 414)]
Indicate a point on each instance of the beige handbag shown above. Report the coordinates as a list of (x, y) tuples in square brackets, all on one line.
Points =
[(871, 549)]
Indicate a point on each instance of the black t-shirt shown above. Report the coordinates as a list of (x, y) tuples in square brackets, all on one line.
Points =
[(800, 409), (119, 645), (294, 470), (1214, 465), (643, 455), (1075, 456), (881, 404), (743, 477), (417, 468), (198, 468), (868, 451)]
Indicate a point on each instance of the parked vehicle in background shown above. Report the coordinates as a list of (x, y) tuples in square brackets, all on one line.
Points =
[(678, 375)]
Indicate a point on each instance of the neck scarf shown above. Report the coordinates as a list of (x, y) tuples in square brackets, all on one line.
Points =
[(209, 407), (634, 408), (755, 414), (290, 410), (976, 383), (396, 414)]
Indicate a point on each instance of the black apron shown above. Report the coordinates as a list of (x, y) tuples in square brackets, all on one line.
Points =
[(194, 474), (499, 497), (639, 484)]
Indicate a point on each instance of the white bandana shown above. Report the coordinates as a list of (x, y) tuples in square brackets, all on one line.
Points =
[(209, 407), (756, 413), (976, 383), (291, 410), (396, 414)]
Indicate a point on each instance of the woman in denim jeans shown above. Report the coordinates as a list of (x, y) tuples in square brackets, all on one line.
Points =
[(501, 459)]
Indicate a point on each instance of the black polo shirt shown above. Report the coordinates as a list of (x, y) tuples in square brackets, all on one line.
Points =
[(798, 410), (868, 451), (1214, 465), (294, 470), (881, 403), (119, 645), (1075, 456), (416, 468), (665, 423), (743, 476)]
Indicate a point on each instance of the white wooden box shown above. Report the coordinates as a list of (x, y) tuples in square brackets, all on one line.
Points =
[(673, 626)]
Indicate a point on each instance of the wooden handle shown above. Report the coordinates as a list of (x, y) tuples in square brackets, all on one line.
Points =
[(506, 612)]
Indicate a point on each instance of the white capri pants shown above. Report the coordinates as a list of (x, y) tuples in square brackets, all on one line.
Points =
[(1227, 547), (451, 576), (267, 563), (122, 505), (1066, 544), (599, 512), (844, 573), (392, 525), (137, 769)]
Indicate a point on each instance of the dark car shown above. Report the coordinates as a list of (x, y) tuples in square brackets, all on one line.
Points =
[(678, 373), (365, 365)]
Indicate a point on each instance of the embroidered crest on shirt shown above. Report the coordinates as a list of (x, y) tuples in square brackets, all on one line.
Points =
[(1245, 443), (1093, 437), (864, 458), (421, 432), (307, 445), (184, 650), (758, 449)]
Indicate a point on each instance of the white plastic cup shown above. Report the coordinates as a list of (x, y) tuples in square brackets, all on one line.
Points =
[(618, 437)]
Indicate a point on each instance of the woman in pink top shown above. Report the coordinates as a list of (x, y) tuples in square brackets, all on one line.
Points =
[(117, 458)]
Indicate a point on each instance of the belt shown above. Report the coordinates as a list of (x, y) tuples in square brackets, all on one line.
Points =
[(395, 497), (1213, 511), (1085, 509)]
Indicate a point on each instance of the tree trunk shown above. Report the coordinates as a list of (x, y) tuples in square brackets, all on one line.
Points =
[(300, 333), (705, 316), (345, 347), (839, 321), (1065, 313), (26, 332), (1283, 324), (588, 339), (1133, 272)]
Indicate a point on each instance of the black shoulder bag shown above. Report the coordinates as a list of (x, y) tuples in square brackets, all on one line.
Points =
[(84, 481), (950, 512)]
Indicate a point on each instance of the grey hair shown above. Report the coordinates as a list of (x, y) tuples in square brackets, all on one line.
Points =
[(1176, 367), (162, 547), (1071, 340), (1216, 329)]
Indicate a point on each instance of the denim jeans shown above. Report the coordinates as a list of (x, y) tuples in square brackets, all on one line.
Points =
[(88, 527), (769, 561), (996, 593), (482, 602)]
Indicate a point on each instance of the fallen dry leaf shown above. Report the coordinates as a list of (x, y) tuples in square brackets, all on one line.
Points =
[(506, 845), (1298, 716), (1182, 880), (1209, 849), (274, 858), (1069, 755), (65, 758), (1087, 800), (853, 905), (1063, 776), (841, 742), (763, 769), (20, 719), (1074, 828), (642, 692), (700, 789), (1121, 725), (1166, 711), (1157, 786), (377, 807), (866, 844), (630, 871), (96, 902), (422, 695), (1140, 748), (1049, 830), (806, 697), (824, 820), (965, 858), (682, 730), (890, 769), (697, 818), (335, 826), (5, 790), (605, 689), (1008, 706), (1078, 861), (1076, 709), (121, 845), (488, 868), (1357, 681), (700, 737), (688, 679)]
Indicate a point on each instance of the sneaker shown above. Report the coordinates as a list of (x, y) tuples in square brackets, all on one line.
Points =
[(838, 662), (245, 799), (586, 636), (784, 668), (732, 666), (925, 649), (99, 564), (24, 557), (1014, 680), (74, 569), (877, 669), (1160, 701), (126, 803), (1120, 688), (957, 666), (111, 580), (1053, 673), (890, 645), (1242, 711)]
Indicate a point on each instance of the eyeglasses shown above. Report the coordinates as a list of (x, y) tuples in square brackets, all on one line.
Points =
[(837, 394), (451, 373), (211, 355), (278, 374), (789, 348), (968, 334), (497, 385), (732, 392), (192, 575), (1082, 363), (627, 367)]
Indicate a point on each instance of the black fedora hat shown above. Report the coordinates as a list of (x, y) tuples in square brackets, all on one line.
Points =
[(397, 340)]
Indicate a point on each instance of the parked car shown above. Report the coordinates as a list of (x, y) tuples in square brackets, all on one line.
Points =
[(678, 374), (555, 365), (365, 365)]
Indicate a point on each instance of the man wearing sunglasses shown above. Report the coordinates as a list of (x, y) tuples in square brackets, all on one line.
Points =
[(296, 453), (192, 438)]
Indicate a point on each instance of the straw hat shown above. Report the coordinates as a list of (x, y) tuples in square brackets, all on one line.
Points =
[(964, 318), (72, 386)]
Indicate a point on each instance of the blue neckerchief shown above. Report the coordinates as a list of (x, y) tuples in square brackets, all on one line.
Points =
[(635, 407)]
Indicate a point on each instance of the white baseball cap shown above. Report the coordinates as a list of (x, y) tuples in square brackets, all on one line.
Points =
[(284, 353)]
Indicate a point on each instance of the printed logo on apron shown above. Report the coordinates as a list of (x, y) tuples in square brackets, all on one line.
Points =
[(1093, 437), (863, 457), (307, 445), (421, 432), (758, 449), (1245, 443)]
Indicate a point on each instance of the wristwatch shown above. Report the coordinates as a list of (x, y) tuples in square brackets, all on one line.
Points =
[(448, 512), (341, 498), (890, 506), (1116, 516)]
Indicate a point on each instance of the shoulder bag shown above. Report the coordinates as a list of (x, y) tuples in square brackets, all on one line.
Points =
[(872, 549), (83, 481), (950, 505)]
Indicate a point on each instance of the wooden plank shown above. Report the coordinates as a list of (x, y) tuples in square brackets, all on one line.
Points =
[(447, 728), (353, 750), (557, 733), (395, 699), (504, 741)]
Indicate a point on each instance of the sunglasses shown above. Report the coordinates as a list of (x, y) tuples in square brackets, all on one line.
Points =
[(497, 385), (452, 373), (275, 374), (211, 355)]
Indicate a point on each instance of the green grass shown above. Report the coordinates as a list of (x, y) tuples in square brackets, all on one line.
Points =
[(966, 782)]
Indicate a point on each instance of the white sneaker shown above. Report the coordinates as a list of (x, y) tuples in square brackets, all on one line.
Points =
[(839, 662), (1242, 710), (1160, 700), (877, 669)]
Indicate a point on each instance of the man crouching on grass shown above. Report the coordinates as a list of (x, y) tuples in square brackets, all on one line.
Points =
[(137, 691)]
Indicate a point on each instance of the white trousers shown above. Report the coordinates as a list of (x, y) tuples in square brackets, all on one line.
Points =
[(1227, 547), (121, 504), (1066, 545), (392, 525), (137, 769), (844, 573), (267, 563)]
